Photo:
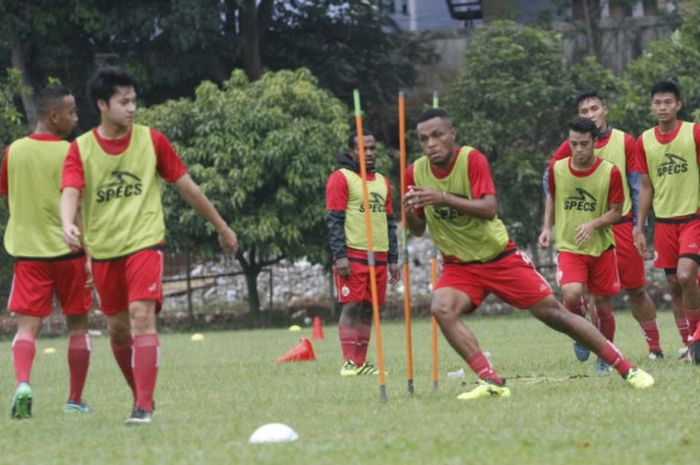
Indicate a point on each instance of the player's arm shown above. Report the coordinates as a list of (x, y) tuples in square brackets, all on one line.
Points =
[(415, 217), (70, 198), (546, 234), (616, 198), (193, 195), (336, 204), (393, 255), (646, 194)]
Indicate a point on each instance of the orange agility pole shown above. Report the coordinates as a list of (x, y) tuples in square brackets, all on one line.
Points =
[(433, 275), (404, 246), (370, 245)]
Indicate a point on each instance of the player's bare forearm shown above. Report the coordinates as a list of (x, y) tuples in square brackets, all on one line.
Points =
[(70, 198), (548, 212), (484, 208), (609, 218), (192, 194), (416, 224), (646, 193)]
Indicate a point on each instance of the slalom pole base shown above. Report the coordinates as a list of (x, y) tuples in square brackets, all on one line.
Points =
[(382, 393), (435, 385), (410, 386)]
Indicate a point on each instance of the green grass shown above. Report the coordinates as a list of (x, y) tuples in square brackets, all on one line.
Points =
[(212, 395)]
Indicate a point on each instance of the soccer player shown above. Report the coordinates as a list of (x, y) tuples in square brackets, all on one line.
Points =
[(668, 157), (619, 148), (114, 170), (348, 241), (30, 180), (585, 200), (451, 190)]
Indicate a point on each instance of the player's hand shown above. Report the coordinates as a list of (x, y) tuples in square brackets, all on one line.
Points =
[(342, 265), (228, 240), (584, 233), (640, 241), (545, 238), (420, 197), (394, 273), (89, 280), (71, 236)]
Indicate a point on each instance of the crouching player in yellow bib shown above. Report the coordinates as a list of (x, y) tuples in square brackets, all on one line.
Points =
[(585, 199)]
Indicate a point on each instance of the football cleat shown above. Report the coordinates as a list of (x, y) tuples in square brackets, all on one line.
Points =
[(348, 369), (582, 352), (138, 417), (75, 407), (602, 368), (22, 402), (485, 389), (656, 355), (639, 379)]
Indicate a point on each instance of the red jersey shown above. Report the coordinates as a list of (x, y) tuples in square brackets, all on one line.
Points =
[(616, 193)]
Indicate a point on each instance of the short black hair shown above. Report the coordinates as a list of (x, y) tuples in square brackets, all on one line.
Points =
[(103, 84), (352, 138), (431, 113), (583, 125), (666, 86), (587, 95), (47, 98)]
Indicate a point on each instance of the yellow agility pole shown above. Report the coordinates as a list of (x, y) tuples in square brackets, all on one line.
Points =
[(404, 246), (370, 246), (433, 275)]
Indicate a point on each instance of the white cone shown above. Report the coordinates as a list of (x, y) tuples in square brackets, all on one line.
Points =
[(273, 432)]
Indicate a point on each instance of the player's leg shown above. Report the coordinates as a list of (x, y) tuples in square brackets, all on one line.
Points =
[(572, 275), (677, 308), (630, 268), (23, 352), (365, 317), (349, 337), (76, 301), (644, 311), (605, 322), (146, 357), (143, 271), (447, 305), (79, 347), (554, 315), (688, 281), (110, 284), (30, 301)]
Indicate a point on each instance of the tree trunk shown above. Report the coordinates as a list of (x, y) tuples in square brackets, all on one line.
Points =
[(19, 62), (251, 279), (248, 20)]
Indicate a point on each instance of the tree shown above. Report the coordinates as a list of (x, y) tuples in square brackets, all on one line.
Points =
[(676, 58), (510, 103), (261, 151)]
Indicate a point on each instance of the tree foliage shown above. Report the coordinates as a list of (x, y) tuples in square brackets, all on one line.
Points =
[(510, 103), (261, 151)]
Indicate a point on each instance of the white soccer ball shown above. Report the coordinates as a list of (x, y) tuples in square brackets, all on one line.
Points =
[(273, 432)]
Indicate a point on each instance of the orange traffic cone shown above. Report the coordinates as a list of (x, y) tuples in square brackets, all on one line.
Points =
[(303, 352), (317, 333)]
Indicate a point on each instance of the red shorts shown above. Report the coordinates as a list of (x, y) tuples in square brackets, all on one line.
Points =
[(599, 274), (120, 281), (357, 287), (675, 240), (630, 265), (513, 278), (35, 282)]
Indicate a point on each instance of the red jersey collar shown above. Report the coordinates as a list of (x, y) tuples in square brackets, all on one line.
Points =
[(667, 137), (444, 173), (586, 172), (44, 137)]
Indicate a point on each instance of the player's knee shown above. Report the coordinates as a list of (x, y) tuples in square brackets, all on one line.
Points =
[(636, 294), (443, 310), (686, 278)]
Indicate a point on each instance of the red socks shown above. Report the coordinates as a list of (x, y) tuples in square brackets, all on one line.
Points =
[(606, 320), (693, 316), (363, 335), (610, 355), (122, 354), (650, 330), (23, 350), (347, 336), (482, 367), (78, 363), (145, 369), (682, 325)]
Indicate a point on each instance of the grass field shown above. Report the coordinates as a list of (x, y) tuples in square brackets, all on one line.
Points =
[(212, 395)]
